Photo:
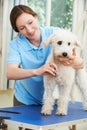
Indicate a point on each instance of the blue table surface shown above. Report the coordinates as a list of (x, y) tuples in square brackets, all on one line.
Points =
[(32, 115)]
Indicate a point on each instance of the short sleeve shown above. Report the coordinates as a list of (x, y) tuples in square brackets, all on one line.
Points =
[(13, 54)]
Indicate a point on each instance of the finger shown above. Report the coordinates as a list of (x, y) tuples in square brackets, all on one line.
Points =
[(80, 66), (53, 65), (66, 63), (61, 59), (51, 71), (74, 52), (53, 68)]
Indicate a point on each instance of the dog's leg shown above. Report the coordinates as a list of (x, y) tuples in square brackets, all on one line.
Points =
[(62, 103), (48, 100), (82, 82)]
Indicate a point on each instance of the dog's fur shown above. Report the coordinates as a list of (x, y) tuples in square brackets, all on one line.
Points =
[(63, 42)]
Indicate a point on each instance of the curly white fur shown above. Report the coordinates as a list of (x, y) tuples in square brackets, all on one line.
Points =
[(63, 42)]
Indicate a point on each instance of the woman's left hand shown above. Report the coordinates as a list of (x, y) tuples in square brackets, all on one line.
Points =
[(75, 61)]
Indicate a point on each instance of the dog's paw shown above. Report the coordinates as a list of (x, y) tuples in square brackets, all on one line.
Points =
[(46, 112), (61, 113)]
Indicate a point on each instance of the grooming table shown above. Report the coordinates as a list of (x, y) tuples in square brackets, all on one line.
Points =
[(29, 117)]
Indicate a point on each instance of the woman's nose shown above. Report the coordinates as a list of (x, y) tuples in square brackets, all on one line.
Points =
[(28, 29)]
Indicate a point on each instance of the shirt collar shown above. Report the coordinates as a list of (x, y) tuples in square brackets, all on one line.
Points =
[(27, 45)]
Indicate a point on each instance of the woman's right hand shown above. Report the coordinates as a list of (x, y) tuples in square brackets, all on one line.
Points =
[(47, 69), (15, 73)]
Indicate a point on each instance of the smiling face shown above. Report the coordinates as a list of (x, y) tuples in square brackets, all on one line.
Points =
[(27, 25)]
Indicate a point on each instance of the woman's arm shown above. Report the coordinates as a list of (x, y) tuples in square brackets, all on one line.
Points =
[(15, 73)]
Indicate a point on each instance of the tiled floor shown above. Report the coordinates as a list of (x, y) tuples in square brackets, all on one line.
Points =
[(6, 98)]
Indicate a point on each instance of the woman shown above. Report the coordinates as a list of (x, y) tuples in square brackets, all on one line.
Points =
[(27, 56)]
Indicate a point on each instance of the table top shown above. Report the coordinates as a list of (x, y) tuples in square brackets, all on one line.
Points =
[(32, 115)]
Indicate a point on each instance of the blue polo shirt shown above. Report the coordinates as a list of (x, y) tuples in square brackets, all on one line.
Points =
[(22, 52)]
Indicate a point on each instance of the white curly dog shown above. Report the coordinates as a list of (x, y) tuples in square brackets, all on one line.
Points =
[(63, 42)]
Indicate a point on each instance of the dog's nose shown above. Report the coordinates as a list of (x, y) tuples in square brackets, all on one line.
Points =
[(64, 54)]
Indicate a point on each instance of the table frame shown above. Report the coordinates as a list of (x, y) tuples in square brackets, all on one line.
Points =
[(22, 126)]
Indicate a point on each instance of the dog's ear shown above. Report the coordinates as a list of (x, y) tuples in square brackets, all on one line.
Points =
[(78, 44), (48, 40)]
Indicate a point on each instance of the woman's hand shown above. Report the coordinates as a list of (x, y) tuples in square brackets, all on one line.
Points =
[(74, 61), (77, 63), (15, 73), (47, 69)]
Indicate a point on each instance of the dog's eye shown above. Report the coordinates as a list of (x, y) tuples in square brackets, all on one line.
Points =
[(69, 43), (59, 42)]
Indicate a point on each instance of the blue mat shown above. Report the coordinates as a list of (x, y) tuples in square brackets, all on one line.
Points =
[(32, 115)]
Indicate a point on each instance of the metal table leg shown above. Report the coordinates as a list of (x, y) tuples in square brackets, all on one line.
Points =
[(73, 127)]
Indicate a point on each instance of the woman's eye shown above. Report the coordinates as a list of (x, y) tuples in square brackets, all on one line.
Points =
[(30, 22), (21, 28), (69, 43), (59, 42)]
